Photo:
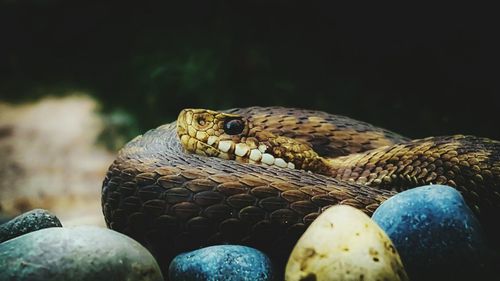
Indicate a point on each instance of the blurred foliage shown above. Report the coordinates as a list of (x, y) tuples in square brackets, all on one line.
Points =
[(419, 71), (119, 127)]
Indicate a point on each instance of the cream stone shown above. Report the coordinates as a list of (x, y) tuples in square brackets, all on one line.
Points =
[(344, 244)]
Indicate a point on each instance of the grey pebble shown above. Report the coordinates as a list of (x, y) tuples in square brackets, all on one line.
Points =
[(28, 222), (77, 253)]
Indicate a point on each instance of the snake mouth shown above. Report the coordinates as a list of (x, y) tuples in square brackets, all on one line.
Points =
[(227, 149), (203, 132), (194, 145)]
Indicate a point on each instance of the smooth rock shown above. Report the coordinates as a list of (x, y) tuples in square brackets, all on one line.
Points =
[(344, 244), (224, 262), (435, 233), (78, 253), (28, 222)]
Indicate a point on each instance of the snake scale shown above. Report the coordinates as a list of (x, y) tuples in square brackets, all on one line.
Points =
[(164, 191)]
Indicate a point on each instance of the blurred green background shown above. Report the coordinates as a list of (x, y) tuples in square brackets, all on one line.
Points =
[(418, 70)]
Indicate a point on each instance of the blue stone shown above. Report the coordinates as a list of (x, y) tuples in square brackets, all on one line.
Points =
[(223, 262), (435, 233)]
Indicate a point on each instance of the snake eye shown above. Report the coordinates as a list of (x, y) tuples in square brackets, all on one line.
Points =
[(233, 126)]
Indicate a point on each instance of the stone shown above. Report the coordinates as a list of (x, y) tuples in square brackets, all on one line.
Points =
[(343, 243), (222, 262), (435, 233), (28, 222), (77, 253)]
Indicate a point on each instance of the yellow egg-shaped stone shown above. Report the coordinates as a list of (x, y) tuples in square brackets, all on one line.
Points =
[(343, 243)]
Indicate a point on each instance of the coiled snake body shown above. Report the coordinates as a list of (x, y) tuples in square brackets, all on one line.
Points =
[(166, 192)]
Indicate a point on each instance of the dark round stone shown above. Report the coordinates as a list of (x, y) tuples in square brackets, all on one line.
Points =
[(435, 233), (28, 222)]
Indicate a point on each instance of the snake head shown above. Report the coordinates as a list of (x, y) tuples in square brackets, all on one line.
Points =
[(210, 133), (235, 137)]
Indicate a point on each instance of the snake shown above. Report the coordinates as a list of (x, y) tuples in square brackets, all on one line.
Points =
[(259, 176)]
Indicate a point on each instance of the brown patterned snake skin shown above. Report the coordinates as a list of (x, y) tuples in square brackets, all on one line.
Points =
[(173, 200)]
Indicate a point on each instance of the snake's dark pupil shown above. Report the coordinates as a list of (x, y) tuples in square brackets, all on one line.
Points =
[(233, 126)]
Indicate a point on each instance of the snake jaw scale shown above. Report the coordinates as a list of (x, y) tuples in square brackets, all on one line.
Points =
[(211, 140), (185, 139), (202, 136), (255, 155), (191, 145), (280, 162), (241, 149), (191, 132), (225, 145), (224, 156), (262, 148), (188, 116), (267, 159)]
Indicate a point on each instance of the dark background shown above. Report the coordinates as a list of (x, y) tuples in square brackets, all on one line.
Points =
[(418, 70)]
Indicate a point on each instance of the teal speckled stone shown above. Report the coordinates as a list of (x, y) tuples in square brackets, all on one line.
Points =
[(224, 262)]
